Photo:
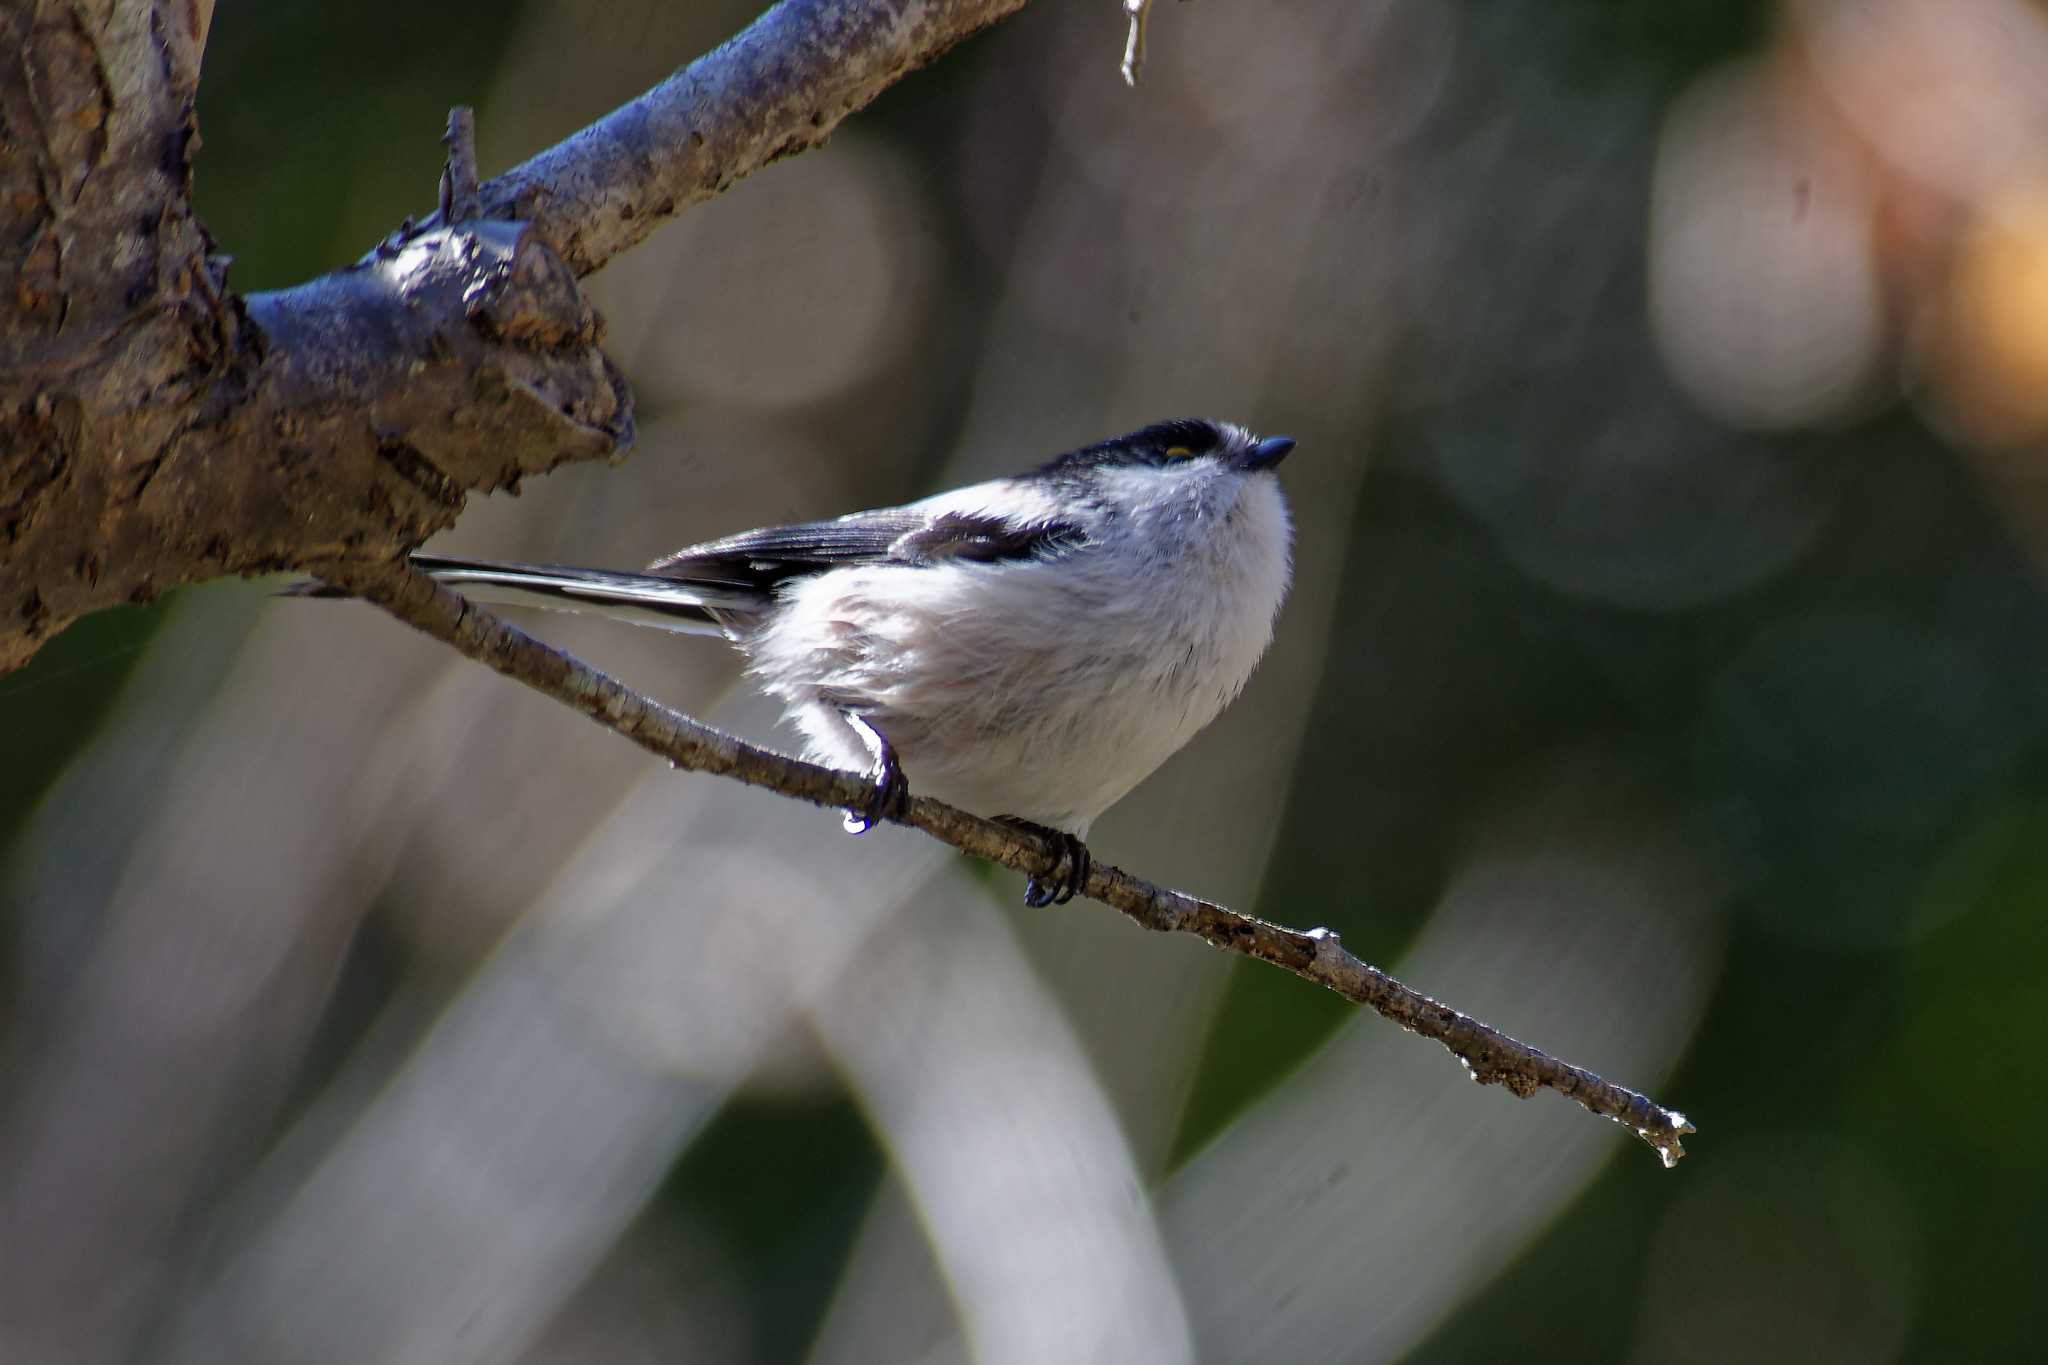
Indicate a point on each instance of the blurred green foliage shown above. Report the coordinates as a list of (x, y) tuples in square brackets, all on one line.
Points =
[(322, 124), (784, 1187)]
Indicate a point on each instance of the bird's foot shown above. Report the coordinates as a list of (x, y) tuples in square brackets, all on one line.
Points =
[(891, 800), (1069, 875)]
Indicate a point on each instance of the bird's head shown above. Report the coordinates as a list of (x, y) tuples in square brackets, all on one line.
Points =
[(1185, 444)]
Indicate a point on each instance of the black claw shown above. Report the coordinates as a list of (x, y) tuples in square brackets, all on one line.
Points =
[(891, 800), (1069, 874), (1082, 863)]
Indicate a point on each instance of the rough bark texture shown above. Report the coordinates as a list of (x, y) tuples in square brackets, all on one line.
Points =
[(156, 429), (117, 324)]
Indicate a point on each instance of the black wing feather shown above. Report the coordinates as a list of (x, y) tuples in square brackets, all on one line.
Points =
[(774, 554), (763, 560)]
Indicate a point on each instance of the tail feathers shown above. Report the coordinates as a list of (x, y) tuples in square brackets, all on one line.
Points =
[(641, 599)]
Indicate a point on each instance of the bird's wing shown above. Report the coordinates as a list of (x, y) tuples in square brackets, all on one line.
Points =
[(763, 560), (714, 588)]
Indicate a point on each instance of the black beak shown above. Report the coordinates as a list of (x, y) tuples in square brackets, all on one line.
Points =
[(1268, 453)]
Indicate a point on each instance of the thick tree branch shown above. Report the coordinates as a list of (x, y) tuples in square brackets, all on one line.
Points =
[(1491, 1057), (114, 325), (157, 429), (777, 89), (333, 418)]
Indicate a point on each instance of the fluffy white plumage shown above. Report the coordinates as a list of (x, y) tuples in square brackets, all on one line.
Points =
[(1032, 646), (1044, 688)]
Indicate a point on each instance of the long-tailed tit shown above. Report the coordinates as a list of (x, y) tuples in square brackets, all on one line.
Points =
[(1032, 646)]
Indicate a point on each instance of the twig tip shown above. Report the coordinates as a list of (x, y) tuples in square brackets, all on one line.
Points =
[(460, 194)]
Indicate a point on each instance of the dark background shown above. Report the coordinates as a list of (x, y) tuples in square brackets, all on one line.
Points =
[(1665, 682)]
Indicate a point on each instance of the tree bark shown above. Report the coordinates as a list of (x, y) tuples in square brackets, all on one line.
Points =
[(157, 429), (118, 325)]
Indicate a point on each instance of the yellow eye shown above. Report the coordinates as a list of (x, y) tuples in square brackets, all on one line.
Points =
[(1178, 452)]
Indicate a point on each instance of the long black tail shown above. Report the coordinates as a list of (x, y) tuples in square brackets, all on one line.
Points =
[(677, 604)]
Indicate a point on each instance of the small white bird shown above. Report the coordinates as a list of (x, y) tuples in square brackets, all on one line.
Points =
[(1034, 645)]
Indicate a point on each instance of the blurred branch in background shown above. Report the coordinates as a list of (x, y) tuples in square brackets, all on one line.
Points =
[(1491, 1057)]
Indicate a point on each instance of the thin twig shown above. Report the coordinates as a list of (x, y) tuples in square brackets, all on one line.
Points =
[(1490, 1056), (460, 202)]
